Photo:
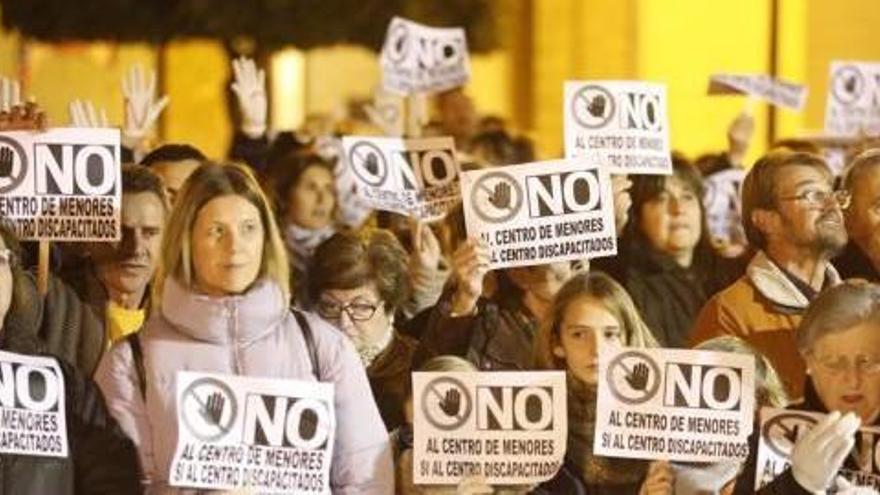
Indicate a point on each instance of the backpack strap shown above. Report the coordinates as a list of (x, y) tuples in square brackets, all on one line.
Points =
[(137, 353), (310, 341)]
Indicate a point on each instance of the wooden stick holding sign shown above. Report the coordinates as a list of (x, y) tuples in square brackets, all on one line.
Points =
[(43, 268), (414, 115)]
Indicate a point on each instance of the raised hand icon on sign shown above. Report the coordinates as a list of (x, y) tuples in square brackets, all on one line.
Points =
[(850, 84), (638, 377), (5, 162), (451, 403), (596, 107), (500, 198), (212, 412)]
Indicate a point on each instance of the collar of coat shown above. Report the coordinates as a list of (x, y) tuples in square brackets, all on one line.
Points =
[(230, 320), (773, 284)]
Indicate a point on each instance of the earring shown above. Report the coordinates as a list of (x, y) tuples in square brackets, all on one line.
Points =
[(559, 352)]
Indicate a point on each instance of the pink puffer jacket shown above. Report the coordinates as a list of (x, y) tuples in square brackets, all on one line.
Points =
[(252, 334)]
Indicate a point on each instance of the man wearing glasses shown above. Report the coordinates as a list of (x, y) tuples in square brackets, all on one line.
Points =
[(861, 258), (794, 220)]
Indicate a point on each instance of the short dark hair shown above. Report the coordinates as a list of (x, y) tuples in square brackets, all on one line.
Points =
[(284, 173), (759, 186), (646, 188), (138, 179), (503, 149), (348, 260), (172, 153)]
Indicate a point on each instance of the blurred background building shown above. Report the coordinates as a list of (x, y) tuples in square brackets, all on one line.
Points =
[(524, 51)]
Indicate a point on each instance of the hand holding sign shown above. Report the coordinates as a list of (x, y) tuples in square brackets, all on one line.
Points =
[(818, 456), (15, 114), (659, 481), (470, 263), (426, 248)]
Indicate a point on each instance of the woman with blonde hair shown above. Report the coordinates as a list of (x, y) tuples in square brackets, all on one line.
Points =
[(221, 306), (590, 311)]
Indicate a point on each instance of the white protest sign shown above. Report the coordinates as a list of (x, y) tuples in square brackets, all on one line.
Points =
[(541, 212), (417, 177), (852, 106), (723, 204), (32, 410), (776, 91), (61, 185), (623, 122), (266, 434), (780, 430), (674, 404), (417, 58), (508, 427)]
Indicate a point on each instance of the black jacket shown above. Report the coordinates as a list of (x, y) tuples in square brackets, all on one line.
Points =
[(101, 460), (499, 337), (852, 263), (668, 296)]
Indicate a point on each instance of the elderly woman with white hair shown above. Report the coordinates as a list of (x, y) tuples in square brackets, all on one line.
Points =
[(839, 338)]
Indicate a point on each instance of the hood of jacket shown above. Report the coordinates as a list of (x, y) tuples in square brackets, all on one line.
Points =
[(773, 284), (239, 319)]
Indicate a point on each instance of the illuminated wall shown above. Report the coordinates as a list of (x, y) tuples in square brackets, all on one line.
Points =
[(544, 42)]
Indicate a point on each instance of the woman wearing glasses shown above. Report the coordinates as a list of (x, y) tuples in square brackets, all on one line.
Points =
[(221, 306), (358, 283), (839, 338)]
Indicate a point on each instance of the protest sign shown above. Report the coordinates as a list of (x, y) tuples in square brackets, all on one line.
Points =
[(673, 404), (61, 185), (623, 122), (507, 427), (541, 212), (417, 58), (416, 177), (723, 205), (780, 430), (32, 406), (852, 106), (776, 91), (265, 434)]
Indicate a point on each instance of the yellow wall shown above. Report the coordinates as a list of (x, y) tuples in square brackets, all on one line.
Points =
[(683, 42), (197, 75), (680, 42), (837, 30)]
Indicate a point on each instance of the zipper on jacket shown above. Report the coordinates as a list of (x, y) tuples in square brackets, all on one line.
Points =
[(233, 336)]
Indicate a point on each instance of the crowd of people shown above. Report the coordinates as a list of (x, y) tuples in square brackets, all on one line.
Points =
[(264, 264)]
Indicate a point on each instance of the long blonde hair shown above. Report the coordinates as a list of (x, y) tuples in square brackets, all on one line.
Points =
[(210, 181), (611, 295)]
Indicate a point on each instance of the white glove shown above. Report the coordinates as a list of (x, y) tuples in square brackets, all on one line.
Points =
[(82, 114), (250, 88), (817, 456), (10, 94), (141, 107), (845, 487)]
